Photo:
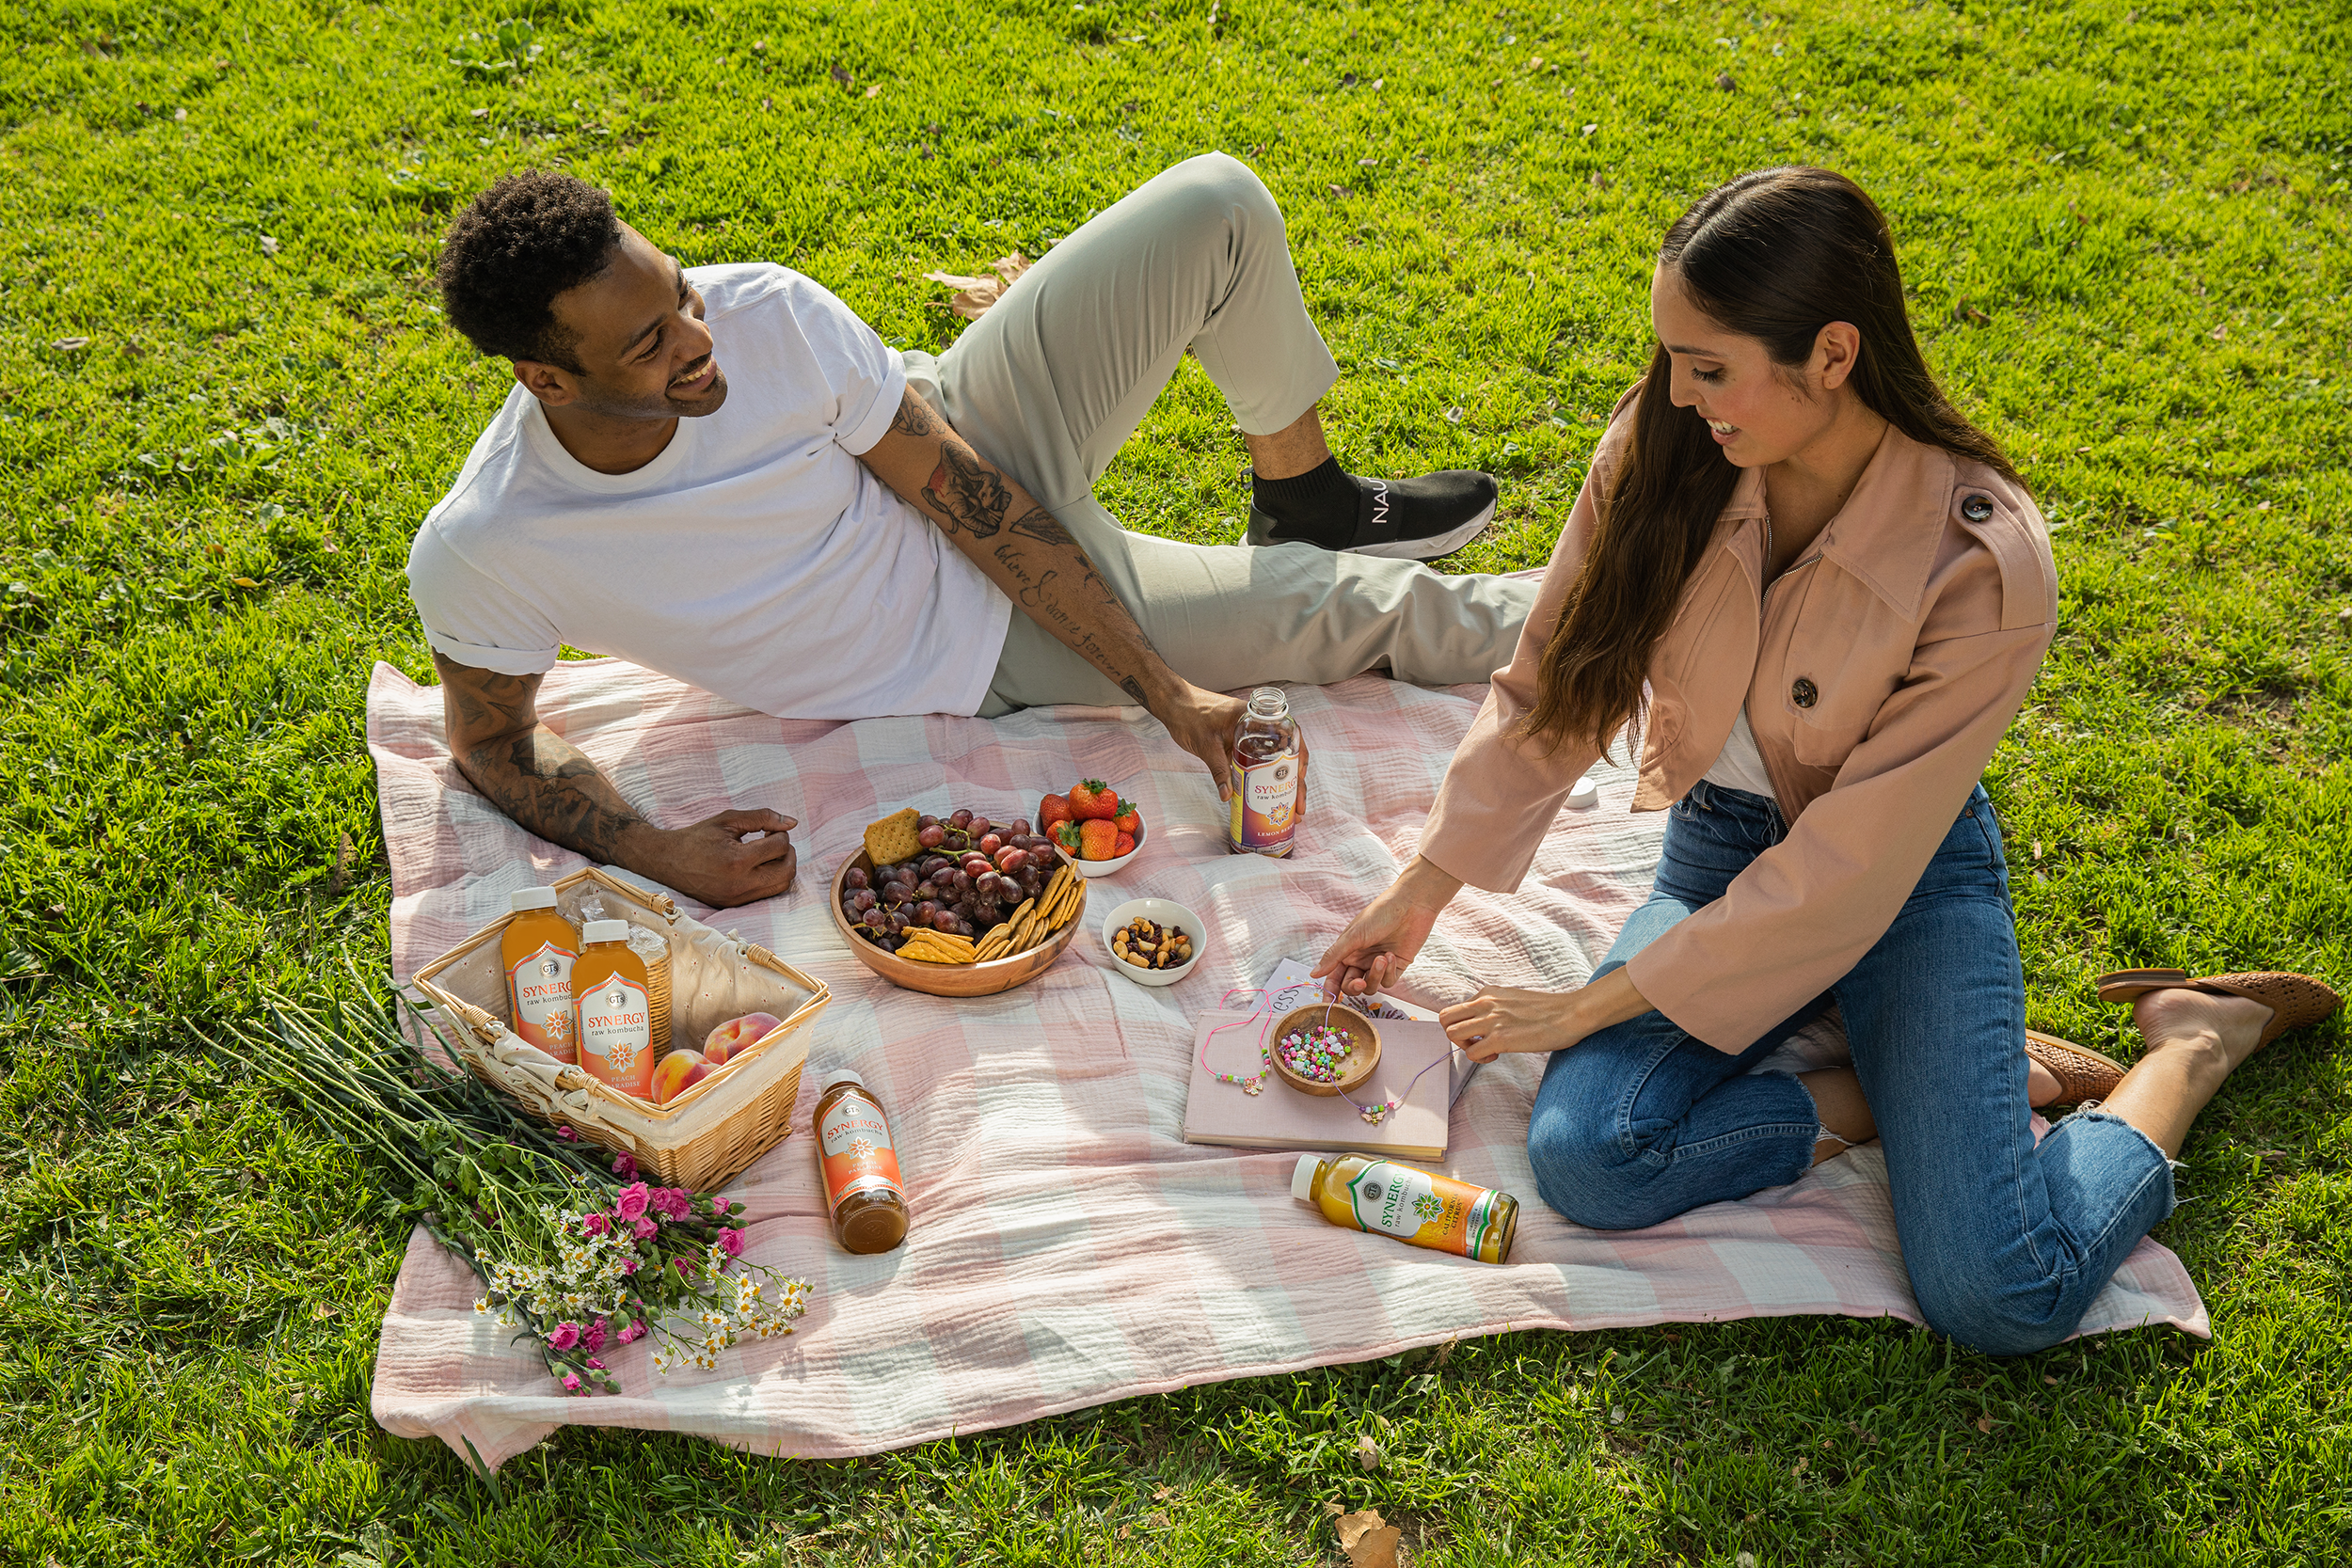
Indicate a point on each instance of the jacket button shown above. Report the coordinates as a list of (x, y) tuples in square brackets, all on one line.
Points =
[(1976, 508), (1804, 693)]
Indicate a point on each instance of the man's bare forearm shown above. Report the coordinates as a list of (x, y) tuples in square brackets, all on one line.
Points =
[(547, 784), (1030, 555)]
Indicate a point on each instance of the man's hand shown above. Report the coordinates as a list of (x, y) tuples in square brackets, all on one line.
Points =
[(1202, 722), (713, 863), (547, 784)]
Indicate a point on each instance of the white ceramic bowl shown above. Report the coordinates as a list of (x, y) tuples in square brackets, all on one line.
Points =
[(1163, 911), (1105, 868)]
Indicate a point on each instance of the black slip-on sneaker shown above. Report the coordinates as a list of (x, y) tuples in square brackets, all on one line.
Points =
[(1402, 519)]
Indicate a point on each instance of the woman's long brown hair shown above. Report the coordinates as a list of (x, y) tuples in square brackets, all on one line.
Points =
[(1775, 254)]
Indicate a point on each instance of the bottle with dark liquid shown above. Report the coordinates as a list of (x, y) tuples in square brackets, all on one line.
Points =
[(1269, 776), (860, 1165)]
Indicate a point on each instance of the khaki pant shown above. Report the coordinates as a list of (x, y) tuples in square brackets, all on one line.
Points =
[(1053, 379)]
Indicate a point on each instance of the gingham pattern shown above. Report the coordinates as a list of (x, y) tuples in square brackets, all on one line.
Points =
[(1068, 1247)]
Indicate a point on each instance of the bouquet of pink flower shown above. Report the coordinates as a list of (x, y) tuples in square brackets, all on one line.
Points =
[(577, 1255)]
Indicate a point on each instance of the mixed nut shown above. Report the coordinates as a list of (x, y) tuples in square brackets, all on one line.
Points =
[(1149, 944)]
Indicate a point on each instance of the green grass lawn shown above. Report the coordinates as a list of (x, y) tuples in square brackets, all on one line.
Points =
[(2127, 234)]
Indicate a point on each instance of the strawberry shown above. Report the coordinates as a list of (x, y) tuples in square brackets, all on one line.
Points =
[(1096, 839), (1128, 820), (1066, 834), (1126, 845), (1093, 801), (1051, 810)]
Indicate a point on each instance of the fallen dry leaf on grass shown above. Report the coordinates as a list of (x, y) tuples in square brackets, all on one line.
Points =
[(974, 295), (1367, 1451), (71, 345), (1369, 1541)]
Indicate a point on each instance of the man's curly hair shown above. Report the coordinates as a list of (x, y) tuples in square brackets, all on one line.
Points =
[(513, 248)]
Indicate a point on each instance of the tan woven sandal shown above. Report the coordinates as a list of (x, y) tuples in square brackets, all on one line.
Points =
[(2082, 1075), (2293, 1000)]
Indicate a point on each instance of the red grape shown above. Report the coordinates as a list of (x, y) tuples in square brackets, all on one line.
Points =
[(1011, 859), (945, 921), (977, 826), (856, 876), (1018, 828), (923, 822), (990, 844), (930, 837), (960, 817)]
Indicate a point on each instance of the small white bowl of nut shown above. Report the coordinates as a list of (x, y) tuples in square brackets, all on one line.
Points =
[(1153, 941)]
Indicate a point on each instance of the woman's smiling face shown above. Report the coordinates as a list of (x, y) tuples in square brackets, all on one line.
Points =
[(1760, 413)]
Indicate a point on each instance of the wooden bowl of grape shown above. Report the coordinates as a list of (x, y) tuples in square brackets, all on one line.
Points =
[(945, 883)]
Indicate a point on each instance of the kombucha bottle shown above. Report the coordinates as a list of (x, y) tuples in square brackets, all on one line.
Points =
[(537, 949), (615, 1020), (1417, 1207), (860, 1164), (1268, 771)]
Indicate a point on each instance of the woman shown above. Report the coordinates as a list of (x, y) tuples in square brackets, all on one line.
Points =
[(1837, 590)]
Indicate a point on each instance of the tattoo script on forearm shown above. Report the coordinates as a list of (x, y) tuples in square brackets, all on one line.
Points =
[(1054, 580), (540, 780)]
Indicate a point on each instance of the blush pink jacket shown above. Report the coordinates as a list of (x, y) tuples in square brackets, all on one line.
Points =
[(1879, 673)]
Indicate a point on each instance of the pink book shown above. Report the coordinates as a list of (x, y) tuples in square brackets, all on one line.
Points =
[(1279, 1117)]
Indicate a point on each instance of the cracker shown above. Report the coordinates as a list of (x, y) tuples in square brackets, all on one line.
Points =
[(891, 839)]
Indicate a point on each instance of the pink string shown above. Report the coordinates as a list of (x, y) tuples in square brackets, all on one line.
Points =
[(1386, 1106)]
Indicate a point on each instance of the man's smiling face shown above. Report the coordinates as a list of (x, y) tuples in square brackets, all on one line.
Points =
[(639, 340)]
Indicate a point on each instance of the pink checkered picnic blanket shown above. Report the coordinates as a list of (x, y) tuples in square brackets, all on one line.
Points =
[(1069, 1248)]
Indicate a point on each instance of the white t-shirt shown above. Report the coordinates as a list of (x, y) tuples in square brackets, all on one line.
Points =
[(1740, 765), (756, 558)]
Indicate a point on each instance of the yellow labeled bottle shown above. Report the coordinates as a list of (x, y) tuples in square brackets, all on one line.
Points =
[(1268, 773), (1416, 1205), (537, 950), (615, 1016)]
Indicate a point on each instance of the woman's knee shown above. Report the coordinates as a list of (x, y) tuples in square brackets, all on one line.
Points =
[(1977, 1308), (1587, 1174)]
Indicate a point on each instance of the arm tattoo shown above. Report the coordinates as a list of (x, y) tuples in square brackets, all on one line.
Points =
[(546, 784), (915, 417), (967, 492), (1041, 525), (535, 777)]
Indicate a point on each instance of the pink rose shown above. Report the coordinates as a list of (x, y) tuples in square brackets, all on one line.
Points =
[(685, 1266), (628, 1266), (731, 1243), (631, 1204), (626, 1168), (594, 1225), (593, 1362), (568, 1135), (593, 1340), (565, 1337), (571, 1380), (631, 1330), (672, 1202), (646, 1227)]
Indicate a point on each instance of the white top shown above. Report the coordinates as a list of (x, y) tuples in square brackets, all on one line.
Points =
[(1742, 765), (605, 930), (756, 558)]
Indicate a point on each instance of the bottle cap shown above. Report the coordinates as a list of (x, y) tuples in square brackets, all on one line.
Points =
[(605, 930), (534, 898), (839, 1076), (1303, 1178)]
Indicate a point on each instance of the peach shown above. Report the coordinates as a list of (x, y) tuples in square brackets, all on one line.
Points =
[(732, 1036), (676, 1073)]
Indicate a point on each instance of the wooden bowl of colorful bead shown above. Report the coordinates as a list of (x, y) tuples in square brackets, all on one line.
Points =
[(1362, 1056)]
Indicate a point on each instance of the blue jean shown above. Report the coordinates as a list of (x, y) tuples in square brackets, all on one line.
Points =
[(2006, 1242)]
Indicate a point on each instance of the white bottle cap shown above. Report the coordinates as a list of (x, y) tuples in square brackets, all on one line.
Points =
[(534, 898), (1303, 1178), (839, 1076), (605, 930)]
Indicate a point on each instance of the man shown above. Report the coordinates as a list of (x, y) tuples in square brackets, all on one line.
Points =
[(726, 476)]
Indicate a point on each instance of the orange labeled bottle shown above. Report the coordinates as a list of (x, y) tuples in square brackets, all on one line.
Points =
[(1418, 1207), (860, 1164), (538, 948), (1268, 773), (613, 1014)]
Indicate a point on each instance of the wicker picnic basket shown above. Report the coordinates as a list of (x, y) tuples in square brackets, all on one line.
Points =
[(707, 1135)]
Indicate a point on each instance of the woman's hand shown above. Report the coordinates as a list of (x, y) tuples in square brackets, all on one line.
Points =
[(1372, 954), (1505, 1018)]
